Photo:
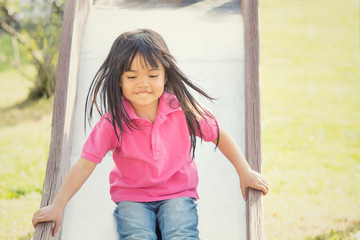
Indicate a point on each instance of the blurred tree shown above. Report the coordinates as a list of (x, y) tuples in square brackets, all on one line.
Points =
[(36, 25)]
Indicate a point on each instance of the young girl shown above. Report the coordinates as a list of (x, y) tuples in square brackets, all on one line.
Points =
[(150, 122)]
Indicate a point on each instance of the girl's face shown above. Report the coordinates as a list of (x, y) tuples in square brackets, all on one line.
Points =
[(143, 85)]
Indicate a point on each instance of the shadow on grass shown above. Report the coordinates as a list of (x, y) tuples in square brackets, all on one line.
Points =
[(25, 110), (348, 233)]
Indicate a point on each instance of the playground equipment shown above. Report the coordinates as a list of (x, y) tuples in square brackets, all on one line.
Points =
[(215, 44)]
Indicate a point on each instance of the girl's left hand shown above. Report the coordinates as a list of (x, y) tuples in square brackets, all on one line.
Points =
[(254, 180)]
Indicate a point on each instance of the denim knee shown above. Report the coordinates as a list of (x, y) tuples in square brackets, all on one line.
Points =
[(178, 219), (135, 220), (175, 218)]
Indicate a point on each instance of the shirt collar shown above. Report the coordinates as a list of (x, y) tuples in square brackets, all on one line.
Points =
[(168, 103)]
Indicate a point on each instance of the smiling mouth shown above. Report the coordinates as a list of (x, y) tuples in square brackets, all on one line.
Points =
[(143, 93)]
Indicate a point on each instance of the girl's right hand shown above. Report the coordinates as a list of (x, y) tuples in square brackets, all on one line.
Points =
[(51, 213)]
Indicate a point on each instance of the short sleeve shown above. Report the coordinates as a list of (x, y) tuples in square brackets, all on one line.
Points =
[(101, 140), (209, 129)]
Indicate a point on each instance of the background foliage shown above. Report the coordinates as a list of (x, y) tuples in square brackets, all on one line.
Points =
[(35, 25)]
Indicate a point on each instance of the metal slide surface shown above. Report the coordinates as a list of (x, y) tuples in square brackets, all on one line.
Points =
[(206, 39)]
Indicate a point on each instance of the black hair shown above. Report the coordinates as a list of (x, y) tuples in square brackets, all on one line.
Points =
[(152, 47)]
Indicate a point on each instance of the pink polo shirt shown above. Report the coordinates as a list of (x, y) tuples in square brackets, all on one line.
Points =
[(153, 163)]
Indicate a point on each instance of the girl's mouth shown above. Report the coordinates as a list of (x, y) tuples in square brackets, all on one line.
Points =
[(143, 93)]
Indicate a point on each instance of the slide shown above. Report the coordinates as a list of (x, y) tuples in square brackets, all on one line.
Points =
[(207, 40)]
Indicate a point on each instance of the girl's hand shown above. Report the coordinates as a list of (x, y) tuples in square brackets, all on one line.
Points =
[(50, 213), (254, 180), (72, 183)]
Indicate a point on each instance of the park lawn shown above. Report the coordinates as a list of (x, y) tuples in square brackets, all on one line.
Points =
[(15, 217), (24, 143), (310, 72)]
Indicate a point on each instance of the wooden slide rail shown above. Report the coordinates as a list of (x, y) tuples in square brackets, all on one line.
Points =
[(254, 204), (72, 31)]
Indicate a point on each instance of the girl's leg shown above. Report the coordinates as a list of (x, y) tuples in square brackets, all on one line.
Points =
[(178, 219), (135, 220)]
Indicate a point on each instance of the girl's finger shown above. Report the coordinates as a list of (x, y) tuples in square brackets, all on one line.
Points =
[(39, 218), (265, 184), (35, 218), (243, 192), (36, 214), (56, 228), (266, 181), (35, 221), (264, 189), (261, 186)]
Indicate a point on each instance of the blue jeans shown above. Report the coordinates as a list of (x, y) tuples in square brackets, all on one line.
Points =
[(175, 219)]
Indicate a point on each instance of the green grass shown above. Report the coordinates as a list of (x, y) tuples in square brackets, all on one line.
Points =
[(310, 71), (15, 217), (24, 144), (24, 149), (24, 137)]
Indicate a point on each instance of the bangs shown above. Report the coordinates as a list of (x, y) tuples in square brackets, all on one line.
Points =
[(149, 55), (147, 61)]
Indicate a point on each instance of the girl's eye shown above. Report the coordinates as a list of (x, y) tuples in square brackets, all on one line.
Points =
[(154, 76), (131, 77)]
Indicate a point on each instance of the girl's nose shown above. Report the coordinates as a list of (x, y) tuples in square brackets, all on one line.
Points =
[(144, 82)]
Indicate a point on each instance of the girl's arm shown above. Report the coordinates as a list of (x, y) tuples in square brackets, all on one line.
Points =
[(248, 177), (72, 183)]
